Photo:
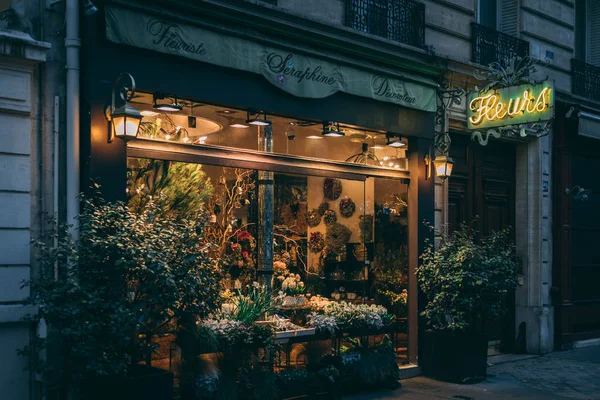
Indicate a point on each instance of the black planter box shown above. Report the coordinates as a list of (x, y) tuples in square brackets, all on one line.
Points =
[(454, 356), (143, 383)]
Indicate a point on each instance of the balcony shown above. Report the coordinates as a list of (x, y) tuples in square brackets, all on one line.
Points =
[(585, 80), (490, 45), (398, 20)]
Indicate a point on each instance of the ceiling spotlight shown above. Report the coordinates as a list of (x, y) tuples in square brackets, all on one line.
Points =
[(148, 113), (314, 137), (227, 112), (394, 140), (332, 129), (172, 106), (256, 119)]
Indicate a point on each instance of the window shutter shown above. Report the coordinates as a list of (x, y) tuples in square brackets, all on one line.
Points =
[(594, 32), (509, 17)]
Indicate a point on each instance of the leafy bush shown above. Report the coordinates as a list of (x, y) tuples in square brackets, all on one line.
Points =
[(365, 366), (466, 282), (128, 276)]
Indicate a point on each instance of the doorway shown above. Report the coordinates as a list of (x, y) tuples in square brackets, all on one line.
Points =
[(482, 186)]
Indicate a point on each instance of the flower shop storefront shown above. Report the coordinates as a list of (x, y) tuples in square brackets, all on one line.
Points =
[(307, 181)]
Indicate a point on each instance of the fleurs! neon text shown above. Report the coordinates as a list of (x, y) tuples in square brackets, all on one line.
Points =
[(490, 107)]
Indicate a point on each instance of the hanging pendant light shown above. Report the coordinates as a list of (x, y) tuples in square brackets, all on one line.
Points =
[(394, 140), (254, 118), (172, 104), (332, 129)]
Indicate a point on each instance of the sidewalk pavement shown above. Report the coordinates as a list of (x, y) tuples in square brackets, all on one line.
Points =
[(573, 374)]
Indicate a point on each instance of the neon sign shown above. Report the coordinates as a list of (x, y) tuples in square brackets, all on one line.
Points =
[(513, 105)]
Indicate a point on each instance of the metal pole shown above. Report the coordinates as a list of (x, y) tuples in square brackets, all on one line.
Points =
[(72, 44), (265, 213)]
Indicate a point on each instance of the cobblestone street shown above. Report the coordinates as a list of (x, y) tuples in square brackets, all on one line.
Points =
[(571, 374)]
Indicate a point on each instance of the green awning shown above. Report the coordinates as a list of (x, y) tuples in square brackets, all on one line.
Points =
[(297, 74)]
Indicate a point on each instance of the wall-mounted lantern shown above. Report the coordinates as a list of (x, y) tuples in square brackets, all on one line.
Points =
[(124, 120), (443, 163)]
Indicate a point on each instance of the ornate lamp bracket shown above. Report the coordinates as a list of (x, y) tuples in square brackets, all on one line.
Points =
[(446, 97)]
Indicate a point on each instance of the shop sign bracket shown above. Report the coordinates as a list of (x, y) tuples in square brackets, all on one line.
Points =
[(513, 104)]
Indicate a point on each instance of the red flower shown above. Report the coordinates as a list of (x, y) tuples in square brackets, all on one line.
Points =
[(243, 235), (245, 254)]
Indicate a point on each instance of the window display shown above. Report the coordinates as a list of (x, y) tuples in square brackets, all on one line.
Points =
[(339, 267)]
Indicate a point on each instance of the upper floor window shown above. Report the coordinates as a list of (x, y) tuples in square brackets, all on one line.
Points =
[(501, 15), (399, 20), (587, 31), (494, 38)]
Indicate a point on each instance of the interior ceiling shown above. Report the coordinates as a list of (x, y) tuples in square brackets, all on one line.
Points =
[(225, 117)]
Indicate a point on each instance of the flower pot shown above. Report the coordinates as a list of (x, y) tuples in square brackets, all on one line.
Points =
[(454, 356), (142, 382)]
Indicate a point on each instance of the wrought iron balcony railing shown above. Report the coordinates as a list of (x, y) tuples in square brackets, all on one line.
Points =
[(490, 45), (399, 20), (585, 81)]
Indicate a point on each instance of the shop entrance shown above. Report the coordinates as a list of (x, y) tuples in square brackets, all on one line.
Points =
[(482, 185)]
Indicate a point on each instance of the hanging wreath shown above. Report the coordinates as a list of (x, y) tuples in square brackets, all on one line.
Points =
[(329, 217), (313, 218), (324, 206), (347, 207), (316, 243), (337, 237), (332, 188)]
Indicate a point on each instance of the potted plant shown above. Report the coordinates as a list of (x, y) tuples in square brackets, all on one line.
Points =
[(104, 296), (464, 282)]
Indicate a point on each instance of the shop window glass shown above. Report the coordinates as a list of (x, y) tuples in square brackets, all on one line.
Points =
[(204, 124), (344, 240)]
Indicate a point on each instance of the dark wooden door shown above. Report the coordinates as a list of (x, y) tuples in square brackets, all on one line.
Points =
[(482, 185)]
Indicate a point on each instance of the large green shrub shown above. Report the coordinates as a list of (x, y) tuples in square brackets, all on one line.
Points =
[(128, 277), (465, 281)]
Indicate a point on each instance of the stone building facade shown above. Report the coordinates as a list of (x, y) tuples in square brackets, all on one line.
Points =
[(520, 183)]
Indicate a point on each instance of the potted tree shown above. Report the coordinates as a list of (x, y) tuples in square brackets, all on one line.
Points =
[(103, 296), (464, 282)]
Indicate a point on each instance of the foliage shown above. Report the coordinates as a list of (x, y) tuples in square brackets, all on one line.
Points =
[(218, 363), (391, 279), (129, 274), (292, 285), (349, 316), (364, 366), (181, 188), (466, 282), (232, 334), (247, 309)]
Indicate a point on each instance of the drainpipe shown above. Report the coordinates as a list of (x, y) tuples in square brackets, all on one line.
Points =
[(72, 44)]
